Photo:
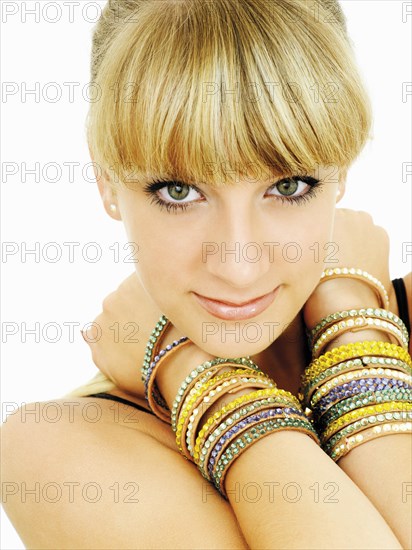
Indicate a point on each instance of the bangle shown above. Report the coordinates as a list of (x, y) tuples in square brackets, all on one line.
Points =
[(352, 351), (346, 383), (354, 325), (382, 366), (152, 393), (251, 401), (355, 388), (209, 368), (314, 334), (228, 381), (246, 422), (362, 412), (152, 345), (387, 428), (361, 275), (369, 397), (361, 424), (261, 381), (243, 442)]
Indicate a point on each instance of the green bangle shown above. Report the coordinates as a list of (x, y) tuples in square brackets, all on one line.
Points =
[(251, 436), (352, 364), (367, 312), (151, 346), (370, 397), (192, 376), (230, 419), (360, 425)]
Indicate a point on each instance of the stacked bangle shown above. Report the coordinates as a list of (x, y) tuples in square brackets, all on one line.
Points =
[(237, 424), (215, 445), (201, 374), (354, 320), (363, 390), (152, 394), (358, 388), (384, 314)]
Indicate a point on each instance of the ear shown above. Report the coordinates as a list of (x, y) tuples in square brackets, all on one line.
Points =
[(341, 185), (106, 191)]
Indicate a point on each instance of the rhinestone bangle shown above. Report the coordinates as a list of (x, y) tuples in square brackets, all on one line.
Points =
[(361, 275), (354, 325), (152, 345), (206, 442), (350, 377), (272, 395), (243, 382), (151, 389), (352, 351), (249, 422), (193, 378), (361, 424), (384, 314), (387, 428), (380, 366), (250, 437), (193, 401), (369, 397), (347, 418)]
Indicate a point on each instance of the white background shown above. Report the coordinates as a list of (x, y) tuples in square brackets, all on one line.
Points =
[(35, 130)]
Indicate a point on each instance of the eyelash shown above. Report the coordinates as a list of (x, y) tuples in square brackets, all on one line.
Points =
[(152, 188)]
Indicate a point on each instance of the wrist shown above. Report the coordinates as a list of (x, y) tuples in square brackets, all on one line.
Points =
[(359, 336), (337, 295), (177, 366)]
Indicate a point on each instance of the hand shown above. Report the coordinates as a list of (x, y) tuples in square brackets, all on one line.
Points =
[(128, 316), (125, 325), (362, 244)]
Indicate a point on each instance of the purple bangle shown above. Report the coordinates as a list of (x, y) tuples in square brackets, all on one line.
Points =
[(243, 423), (354, 387), (156, 393)]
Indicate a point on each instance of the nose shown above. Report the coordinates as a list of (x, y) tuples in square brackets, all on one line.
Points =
[(237, 255)]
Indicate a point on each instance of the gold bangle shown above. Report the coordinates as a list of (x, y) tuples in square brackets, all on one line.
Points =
[(351, 351), (369, 410), (361, 275), (387, 428), (354, 325), (281, 396), (192, 402), (325, 388)]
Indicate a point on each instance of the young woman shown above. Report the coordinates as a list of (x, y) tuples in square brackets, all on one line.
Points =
[(222, 136)]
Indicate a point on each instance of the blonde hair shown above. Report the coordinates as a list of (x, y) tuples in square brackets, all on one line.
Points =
[(163, 71), (99, 383), (159, 68)]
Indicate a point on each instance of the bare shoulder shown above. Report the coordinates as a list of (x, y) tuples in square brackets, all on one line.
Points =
[(80, 473)]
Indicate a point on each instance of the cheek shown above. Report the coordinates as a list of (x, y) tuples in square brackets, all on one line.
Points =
[(166, 263), (305, 250)]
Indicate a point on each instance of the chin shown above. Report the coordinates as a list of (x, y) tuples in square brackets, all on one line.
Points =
[(232, 345)]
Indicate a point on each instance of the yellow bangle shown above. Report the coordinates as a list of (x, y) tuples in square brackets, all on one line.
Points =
[(354, 325), (342, 421), (351, 351), (283, 397)]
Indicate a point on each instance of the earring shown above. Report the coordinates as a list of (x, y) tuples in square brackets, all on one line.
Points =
[(113, 207)]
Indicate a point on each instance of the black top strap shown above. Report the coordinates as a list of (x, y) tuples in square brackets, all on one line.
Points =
[(104, 395), (402, 299)]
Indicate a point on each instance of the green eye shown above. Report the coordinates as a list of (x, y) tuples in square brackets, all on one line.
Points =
[(287, 187), (178, 191)]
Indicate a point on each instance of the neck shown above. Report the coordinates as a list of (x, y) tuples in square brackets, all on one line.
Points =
[(286, 358)]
